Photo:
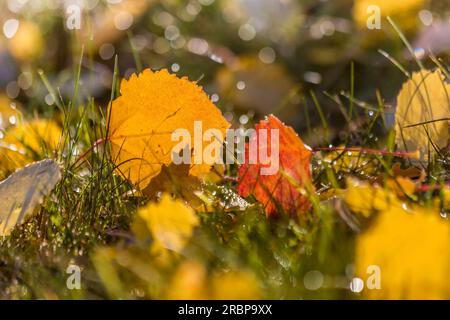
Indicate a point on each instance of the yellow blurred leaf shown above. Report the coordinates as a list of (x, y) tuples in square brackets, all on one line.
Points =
[(412, 252), (170, 222), (24, 190), (151, 107), (351, 161), (403, 12), (235, 285), (365, 199), (188, 283), (27, 142), (443, 201), (27, 43), (191, 281), (9, 113), (423, 113), (412, 172)]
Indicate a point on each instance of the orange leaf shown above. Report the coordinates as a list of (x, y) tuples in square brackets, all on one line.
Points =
[(280, 191), (151, 107)]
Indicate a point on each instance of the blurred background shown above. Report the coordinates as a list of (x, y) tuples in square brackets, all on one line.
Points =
[(253, 57)]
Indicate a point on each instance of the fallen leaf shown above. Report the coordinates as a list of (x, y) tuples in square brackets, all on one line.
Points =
[(28, 43), (170, 222), (400, 11), (27, 142), (281, 190), (235, 285), (151, 107), (433, 38), (365, 198), (9, 113), (22, 191), (352, 161), (189, 282), (411, 250), (423, 113)]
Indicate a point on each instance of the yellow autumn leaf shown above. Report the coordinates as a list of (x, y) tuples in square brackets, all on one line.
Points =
[(103, 259), (401, 186), (235, 285), (9, 113), (27, 43), (151, 107), (447, 199), (412, 251), (188, 283), (170, 222), (24, 190), (365, 199), (443, 201), (267, 87), (423, 113), (401, 11), (191, 281), (27, 142)]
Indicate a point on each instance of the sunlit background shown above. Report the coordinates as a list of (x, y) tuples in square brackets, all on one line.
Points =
[(253, 57)]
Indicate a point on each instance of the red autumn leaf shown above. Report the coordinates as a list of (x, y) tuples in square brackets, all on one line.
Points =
[(278, 191)]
